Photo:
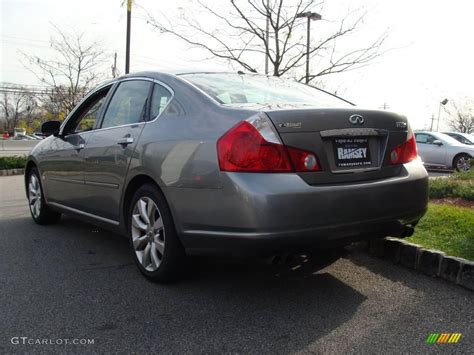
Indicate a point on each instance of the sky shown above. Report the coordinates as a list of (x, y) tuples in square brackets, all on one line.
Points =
[(429, 58)]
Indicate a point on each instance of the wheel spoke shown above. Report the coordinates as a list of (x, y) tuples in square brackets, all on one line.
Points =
[(142, 208), (139, 243), (137, 223), (158, 225), (146, 255), (155, 260), (31, 189), (150, 211), (37, 208), (160, 245), (33, 200)]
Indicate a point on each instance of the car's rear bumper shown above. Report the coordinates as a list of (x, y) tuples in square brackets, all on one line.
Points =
[(263, 213)]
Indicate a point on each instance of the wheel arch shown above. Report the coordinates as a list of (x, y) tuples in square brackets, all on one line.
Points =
[(30, 164), (136, 182)]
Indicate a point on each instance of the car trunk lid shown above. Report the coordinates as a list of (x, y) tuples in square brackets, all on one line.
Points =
[(351, 144)]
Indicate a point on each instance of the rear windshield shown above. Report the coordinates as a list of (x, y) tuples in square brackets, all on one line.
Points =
[(260, 89)]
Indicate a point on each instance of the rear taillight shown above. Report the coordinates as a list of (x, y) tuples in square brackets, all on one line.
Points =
[(254, 146), (405, 152)]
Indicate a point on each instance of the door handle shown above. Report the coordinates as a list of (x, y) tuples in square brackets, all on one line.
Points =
[(125, 140)]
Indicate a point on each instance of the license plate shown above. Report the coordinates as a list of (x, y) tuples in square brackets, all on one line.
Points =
[(352, 152)]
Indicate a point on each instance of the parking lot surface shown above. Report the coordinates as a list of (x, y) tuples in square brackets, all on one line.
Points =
[(75, 281)]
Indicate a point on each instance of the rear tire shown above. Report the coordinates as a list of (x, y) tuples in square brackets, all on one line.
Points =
[(155, 246), (40, 212), (462, 162)]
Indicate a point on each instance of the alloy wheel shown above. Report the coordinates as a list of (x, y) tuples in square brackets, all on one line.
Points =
[(464, 164), (34, 195), (148, 234)]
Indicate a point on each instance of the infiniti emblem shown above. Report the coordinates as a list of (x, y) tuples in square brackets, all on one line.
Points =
[(356, 119)]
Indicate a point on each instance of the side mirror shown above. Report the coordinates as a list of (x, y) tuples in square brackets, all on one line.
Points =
[(50, 128), (437, 142)]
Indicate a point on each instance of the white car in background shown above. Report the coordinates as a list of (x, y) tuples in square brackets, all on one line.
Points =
[(442, 151), (464, 138)]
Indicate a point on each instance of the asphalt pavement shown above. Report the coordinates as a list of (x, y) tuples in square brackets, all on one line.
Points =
[(73, 282)]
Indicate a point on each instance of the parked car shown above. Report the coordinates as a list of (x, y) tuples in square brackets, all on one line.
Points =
[(23, 137), (464, 138), (228, 164), (38, 135), (442, 151)]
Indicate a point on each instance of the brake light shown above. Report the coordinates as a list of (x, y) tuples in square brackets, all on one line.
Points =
[(303, 160), (254, 146), (405, 152)]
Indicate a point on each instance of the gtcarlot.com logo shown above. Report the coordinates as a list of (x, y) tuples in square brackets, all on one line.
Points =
[(443, 338), (50, 341)]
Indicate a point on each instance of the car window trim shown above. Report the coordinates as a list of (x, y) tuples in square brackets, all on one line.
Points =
[(167, 88), (115, 88), (72, 114)]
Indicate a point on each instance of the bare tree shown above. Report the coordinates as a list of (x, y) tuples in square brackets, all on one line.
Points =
[(71, 74), (240, 36), (462, 116), (18, 106), (11, 107)]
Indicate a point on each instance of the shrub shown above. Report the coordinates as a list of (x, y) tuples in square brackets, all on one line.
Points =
[(15, 162), (459, 184)]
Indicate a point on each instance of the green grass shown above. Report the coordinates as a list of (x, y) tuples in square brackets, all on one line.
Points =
[(457, 185), (15, 162), (448, 228)]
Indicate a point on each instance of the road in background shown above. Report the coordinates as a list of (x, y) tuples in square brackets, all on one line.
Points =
[(13, 147), (74, 280)]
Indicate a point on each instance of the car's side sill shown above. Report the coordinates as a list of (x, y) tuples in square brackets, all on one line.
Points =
[(85, 214)]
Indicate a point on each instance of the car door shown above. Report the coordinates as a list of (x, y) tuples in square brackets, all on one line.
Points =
[(111, 147), (63, 165), (430, 153)]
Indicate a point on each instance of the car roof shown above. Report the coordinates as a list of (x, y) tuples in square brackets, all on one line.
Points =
[(176, 72)]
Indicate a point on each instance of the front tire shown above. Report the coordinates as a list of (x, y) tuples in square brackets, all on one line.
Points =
[(156, 249), (462, 162), (40, 212)]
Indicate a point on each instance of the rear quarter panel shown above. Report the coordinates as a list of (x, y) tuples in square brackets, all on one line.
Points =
[(178, 149)]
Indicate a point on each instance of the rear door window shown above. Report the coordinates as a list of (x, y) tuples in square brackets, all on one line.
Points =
[(128, 105)]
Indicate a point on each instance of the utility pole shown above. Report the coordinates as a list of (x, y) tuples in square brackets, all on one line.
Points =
[(127, 49), (267, 29), (114, 67), (432, 122), (308, 34), (310, 16)]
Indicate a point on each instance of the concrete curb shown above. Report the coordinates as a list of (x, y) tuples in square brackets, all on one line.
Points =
[(429, 262), (9, 172)]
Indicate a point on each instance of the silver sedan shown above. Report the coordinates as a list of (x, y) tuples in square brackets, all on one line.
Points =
[(442, 151)]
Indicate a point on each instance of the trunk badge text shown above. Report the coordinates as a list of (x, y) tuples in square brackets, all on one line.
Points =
[(401, 124), (290, 125), (356, 119)]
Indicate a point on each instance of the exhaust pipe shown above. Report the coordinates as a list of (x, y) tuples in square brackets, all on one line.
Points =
[(407, 232)]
